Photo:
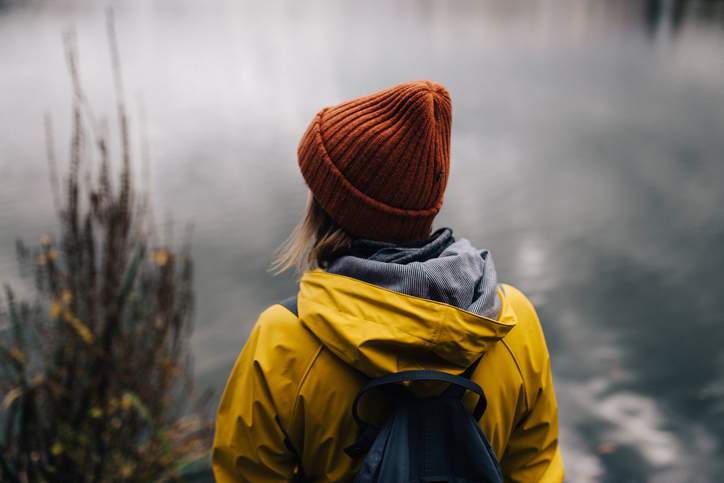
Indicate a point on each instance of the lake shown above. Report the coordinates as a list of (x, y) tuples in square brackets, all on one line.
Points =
[(587, 155)]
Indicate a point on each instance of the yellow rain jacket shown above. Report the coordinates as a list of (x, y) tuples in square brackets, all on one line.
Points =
[(287, 403)]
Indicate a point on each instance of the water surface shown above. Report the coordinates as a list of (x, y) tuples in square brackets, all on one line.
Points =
[(587, 156)]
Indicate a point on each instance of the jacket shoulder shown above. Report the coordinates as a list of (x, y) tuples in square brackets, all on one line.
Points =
[(284, 351), (281, 324), (526, 343)]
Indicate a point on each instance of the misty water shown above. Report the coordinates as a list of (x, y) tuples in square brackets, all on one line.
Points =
[(587, 155)]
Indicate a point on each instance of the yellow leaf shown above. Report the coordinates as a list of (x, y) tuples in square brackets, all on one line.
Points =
[(67, 296), (81, 329), (56, 449), (127, 470), (95, 412), (52, 254), (17, 354), (10, 398), (55, 309), (45, 239), (126, 402), (161, 257)]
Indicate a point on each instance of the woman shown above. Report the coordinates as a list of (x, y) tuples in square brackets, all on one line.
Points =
[(380, 293)]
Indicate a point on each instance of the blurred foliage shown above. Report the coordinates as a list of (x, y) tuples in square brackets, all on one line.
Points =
[(95, 375)]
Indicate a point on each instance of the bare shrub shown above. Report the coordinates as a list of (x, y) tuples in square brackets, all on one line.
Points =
[(95, 370)]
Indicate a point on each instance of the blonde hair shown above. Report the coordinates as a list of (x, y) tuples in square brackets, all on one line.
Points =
[(313, 243)]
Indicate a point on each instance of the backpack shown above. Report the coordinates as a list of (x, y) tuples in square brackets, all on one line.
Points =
[(423, 440)]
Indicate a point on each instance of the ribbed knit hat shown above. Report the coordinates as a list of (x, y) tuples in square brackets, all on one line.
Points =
[(378, 165)]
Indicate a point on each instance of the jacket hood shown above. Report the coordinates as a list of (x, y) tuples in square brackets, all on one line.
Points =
[(379, 331), (438, 268)]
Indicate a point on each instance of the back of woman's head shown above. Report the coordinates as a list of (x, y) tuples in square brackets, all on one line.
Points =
[(377, 167)]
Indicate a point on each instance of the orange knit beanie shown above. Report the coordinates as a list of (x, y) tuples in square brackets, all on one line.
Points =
[(378, 164)]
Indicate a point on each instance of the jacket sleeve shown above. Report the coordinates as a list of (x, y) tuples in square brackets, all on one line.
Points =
[(249, 443), (533, 453)]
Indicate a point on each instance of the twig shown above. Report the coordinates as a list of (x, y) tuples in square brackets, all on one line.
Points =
[(52, 165)]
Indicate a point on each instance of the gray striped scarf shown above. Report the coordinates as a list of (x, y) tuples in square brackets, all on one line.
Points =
[(439, 268)]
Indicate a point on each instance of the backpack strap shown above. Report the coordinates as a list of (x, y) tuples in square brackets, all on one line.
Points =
[(291, 305), (468, 373), (458, 391), (422, 375)]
